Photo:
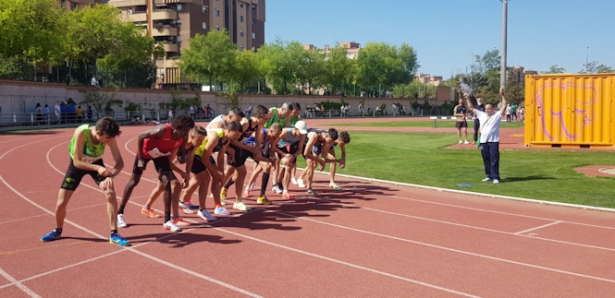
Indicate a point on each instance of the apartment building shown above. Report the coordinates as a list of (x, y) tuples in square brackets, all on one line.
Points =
[(174, 22), (69, 5), (428, 79), (352, 48)]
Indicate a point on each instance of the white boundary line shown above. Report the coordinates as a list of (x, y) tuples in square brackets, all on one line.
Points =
[(478, 193), (450, 249), (195, 274), (347, 264), (182, 269), (474, 227), (288, 248), (538, 228), (14, 282), (502, 212)]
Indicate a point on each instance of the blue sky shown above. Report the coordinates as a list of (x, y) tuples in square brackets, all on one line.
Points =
[(445, 33)]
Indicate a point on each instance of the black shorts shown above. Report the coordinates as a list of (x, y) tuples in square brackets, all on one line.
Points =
[(161, 164), (241, 156), (461, 124), (198, 166), (73, 176), (292, 149)]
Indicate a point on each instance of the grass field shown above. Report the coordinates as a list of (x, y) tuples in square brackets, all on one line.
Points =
[(439, 123), (423, 158)]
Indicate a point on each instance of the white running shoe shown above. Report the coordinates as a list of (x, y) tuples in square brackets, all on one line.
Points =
[(121, 223), (276, 189), (294, 181), (170, 226), (300, 183), (241, 206), (186, 208), (206, 216)]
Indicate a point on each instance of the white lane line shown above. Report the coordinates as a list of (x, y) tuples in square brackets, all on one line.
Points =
[(472, 227), (195, 274), (18, 284), (537, 228), (503, 213), (347, 264), (450, 249), (315, 255), (190, 272)]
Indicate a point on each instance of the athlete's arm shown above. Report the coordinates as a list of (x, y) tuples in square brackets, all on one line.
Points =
[(117, 156)]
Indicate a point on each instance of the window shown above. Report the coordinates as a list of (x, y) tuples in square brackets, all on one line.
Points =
[(253, 22), (179, 7), (241, 19), (240, 33), (204, 9), (217, 12), (253, 35), (179, 39), (241, 4), (217, 27), (204, 25)]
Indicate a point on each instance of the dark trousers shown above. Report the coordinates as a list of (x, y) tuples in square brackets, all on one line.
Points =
[(476, 128), (491, 159)]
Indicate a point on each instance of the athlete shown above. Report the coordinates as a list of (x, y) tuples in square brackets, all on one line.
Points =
[(86, 150)]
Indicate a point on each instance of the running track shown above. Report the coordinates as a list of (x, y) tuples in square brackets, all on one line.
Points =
[(373, 239)]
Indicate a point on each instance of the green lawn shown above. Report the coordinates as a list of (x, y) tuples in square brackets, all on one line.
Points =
[(423, 158), (439, 123)]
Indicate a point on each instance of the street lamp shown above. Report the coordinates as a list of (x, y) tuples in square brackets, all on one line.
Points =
[(504, 31)]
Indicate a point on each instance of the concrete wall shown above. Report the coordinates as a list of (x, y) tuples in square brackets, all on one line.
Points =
[(20, 97)]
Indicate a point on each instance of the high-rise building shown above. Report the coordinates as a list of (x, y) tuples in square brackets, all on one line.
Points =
[(174, 22), (76, 4)]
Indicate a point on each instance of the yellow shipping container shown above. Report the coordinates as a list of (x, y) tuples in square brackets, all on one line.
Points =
[(570, 111)]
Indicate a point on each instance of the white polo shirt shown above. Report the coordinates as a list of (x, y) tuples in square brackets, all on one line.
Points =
[(489, 127)]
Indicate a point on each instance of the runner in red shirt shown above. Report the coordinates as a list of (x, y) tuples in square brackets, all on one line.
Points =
[(161, 145)]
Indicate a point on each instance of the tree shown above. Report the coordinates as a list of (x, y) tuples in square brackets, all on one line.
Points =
[(278, 63), (310, 67), (131, 53), (209, 57), (381, 66), (337, 69), (93, 37), (31, 31), (246, 68), (555, 69), (604, 69), (485, 76), (514, 91), (101, 102)]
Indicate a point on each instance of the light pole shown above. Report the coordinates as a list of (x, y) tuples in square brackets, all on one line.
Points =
[(504, 29), (587, 60)]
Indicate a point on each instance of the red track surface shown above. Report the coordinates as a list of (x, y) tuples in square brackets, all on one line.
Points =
[(371, 240)]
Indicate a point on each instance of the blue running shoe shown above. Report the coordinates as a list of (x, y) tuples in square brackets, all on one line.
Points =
[(119, 240), (53, 235)]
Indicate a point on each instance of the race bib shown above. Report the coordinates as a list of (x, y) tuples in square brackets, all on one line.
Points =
[(155, 153), (89, 159)]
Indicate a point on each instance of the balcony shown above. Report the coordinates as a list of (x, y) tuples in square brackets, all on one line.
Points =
[(166, 31), (160, 15), (171, 47), (168, 63), (137, 17)]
